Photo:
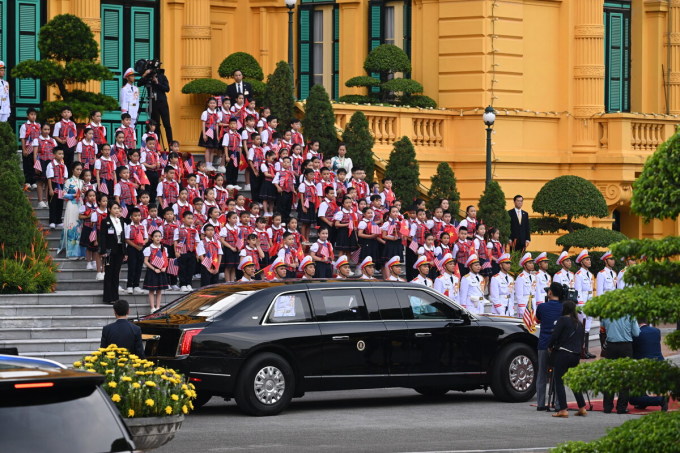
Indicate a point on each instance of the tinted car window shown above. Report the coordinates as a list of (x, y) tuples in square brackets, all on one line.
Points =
[(389, 303), (206, 303), (343, 305), (425, 306), (289, 308)]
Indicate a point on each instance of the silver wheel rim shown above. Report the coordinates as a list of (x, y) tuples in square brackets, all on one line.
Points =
[(521, 373), (269, 385)]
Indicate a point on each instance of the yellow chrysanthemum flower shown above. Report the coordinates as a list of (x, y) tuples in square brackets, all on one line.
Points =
[(134, 357), (150, 383), (149, 402), (131, 412), (113, 384), (140, 373), (104, 363), (96, 353), (184, 387), (109, 371), (174, 397), (126, 378), (168, 410), (89, 358), (77, 364), (115, 398), (135, 385), (191, 405), (184, 409)]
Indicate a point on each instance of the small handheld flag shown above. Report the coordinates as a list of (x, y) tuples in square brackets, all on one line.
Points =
[(37, 166), (103, 188), (172, 267)]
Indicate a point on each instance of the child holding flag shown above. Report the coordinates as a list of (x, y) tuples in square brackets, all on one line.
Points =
[(209, 252), (156, 261)]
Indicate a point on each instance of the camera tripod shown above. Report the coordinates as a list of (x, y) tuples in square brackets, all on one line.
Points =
[(550, 400)]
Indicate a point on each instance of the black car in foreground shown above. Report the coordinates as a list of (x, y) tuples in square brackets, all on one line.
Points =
[(265, 343)]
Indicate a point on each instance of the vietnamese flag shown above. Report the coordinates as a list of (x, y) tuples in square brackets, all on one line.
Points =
[(268, 273)]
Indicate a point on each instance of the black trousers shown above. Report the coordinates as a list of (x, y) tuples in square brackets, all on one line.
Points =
[(207, 278), (255, 184), (562, 361), (112, 274), (160, 110), (231, 175), (617, 351), (284, 204), (172, 279), (69, 154), (411, 259), (187, 267), (323, 270), (56, 208), (29, 171), (134, 264), (153, 184)]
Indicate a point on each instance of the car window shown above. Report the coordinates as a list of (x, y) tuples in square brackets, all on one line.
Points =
[(291, 307), (389, 303), (344, 305), (425, 306)]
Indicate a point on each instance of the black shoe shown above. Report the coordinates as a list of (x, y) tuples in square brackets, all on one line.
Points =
[(542, 408), (626, 411), (588, 355), (664, 404), (641, 408), (607, 411)]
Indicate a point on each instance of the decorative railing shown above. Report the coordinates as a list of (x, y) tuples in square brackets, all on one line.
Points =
[(634, 133)]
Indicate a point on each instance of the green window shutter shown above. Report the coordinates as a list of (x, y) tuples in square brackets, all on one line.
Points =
[(375, 31), (305, 51), (3, 31), (407, 28), (336, 53), (27, 91), (617, 57), (143, 33), (112, 48)]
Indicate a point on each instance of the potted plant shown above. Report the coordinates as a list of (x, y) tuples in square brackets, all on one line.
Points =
[(153, 400)]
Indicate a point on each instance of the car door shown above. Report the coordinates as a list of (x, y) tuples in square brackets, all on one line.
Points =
[(353, 344), (397, 348), (442, 336)]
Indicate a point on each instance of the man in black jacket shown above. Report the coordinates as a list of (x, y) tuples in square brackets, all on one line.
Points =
[(239, 87), (520, 230), (159, 102), (123, 333)]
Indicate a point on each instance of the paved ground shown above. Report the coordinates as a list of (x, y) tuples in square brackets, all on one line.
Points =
[(386, 420)]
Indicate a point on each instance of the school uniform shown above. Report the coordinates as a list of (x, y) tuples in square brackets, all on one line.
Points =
[(263, 238), (137, 234), (470, 224), (461, 252), (370, 247), (361, 187), (212, 249), (29, 131), (346, 237), (232, 142), (286, 180), (87, 152), (112, 242), (65, 129), (186, 239), (211, 118), (156, 281), (104, 167), (167, 192), (287, 254), (276, 236), (88, 210), (137, 173), (326, 212), (126, 193), (45, 153), (323, 249), (58, 173), (221, 196), (129, 101), (429, 253), (129, 135), (418, 231), (256, 156), (267, 190), (494, 251), (168, 230), (229, 234), (392, 247), (119, 154), (308, 200), (483, 254), (99, 133)]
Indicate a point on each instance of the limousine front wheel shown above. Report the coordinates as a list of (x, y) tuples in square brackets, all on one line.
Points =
[(265, 385), (514, 373)]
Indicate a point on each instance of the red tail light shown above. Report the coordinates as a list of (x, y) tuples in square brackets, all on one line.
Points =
[(34, 385), (185, 340)]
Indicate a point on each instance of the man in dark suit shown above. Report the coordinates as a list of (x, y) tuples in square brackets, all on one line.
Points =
[(239, 87), (647, 345), (123, 333), (520, 230)]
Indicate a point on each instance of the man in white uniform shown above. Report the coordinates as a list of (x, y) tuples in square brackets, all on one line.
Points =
[(5, 108), (472, 287), (501, 288), (129, 96), (543, 279), (583, 283), (448, 283), (525, 286)]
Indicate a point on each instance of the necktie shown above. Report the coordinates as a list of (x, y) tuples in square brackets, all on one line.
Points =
[(239, 88), (519, 217)]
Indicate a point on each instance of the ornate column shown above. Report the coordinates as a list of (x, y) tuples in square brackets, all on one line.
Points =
[(588, 72), (673, 46), (196, 41)]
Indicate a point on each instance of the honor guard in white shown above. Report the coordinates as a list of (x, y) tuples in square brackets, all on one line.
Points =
[(307, 267), (247, 266), (606, 278), (5, 108), (583, 283), (620, 282), (543, 279), (564, 276), (472, 287), (423, 267), (279, 267), (129, 96), (501, 288), (394, 268), (341, 266), (367, 268), (525, 285), (448, 283)]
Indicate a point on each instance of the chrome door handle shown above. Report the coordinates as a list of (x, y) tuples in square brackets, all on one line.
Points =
[(423, 334), (341, 338)]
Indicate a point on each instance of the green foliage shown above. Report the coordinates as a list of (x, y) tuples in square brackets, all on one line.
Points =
[(243, 62), (67, 38), (404, 171), (656, 192), (319, 121), (279, 94), (26, 276), (656, 304), (356, 99), (570, 196), (205, 86), (259, 89), (419, 100), (659, 431), (8, 151), (651, 248), (654, 273), (385, 59), (444, 187), (590, 238), (406, 86), (543, 225), (362, 81), (492, 212), (359, 141), (81, 104)]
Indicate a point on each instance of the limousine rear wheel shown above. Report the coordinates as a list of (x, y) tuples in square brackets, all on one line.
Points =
[(265, 385), (514, 373)]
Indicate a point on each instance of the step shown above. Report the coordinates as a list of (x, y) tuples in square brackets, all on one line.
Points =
[(66, 357), (55, 321), (38, 333), (81, 297), (11, 311), (52, 345), (92, 284)]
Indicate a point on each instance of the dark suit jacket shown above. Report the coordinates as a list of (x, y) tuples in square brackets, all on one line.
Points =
[(108, 241), (647, 345), (231, 92), (124, 334), (521, 232)]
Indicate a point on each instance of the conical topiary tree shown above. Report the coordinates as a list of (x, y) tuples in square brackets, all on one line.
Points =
[(70, 56), (492, 212), (319, 121), (279, 94), (444, 188), (359, 141), (404, 171)]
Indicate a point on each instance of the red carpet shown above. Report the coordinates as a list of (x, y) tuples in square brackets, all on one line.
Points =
[(673, 405)]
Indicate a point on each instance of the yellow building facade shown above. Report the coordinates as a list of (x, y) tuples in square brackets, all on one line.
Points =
[(583, 87)]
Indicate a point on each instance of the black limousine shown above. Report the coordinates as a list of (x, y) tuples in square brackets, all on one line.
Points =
[(266, 343)]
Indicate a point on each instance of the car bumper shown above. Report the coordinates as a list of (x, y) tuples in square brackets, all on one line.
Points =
[(210, 374)]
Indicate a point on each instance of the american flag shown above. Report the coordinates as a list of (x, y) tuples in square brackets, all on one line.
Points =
[(207, 262), (172, 267), (158, 259), (103, 188), (163, 160), (413, 246), (71, 140), (123, 210), (439, 261), (354, 257), (324, 250), (529, 317), (37, 165), (210, 133), (93, 235), (239, 240), (189, 168), (373, 228), (164, 203)]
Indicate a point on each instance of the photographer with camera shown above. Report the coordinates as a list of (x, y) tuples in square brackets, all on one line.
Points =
[(547, 315), (157, 86)]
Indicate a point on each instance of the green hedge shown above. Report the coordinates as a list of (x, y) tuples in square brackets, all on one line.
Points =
[(356, 99), (542, 225), (419, 100), (406, 86), (205, 86), (362, 81), (590, 238)]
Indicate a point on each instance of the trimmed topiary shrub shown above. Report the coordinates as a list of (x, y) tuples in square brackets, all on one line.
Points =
[(543, 225), (359, 141), (444, 187), (571, 197), (386, 59), (356, 99), (243, 62), (491, 210), (362, 81), (405, 86), (419, 100), (404, 171), (279, 94), (319, 121), (205, 86), (590, 238)]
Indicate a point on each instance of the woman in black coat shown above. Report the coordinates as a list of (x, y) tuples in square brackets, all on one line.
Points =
[(566, 343), (112, 250)]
